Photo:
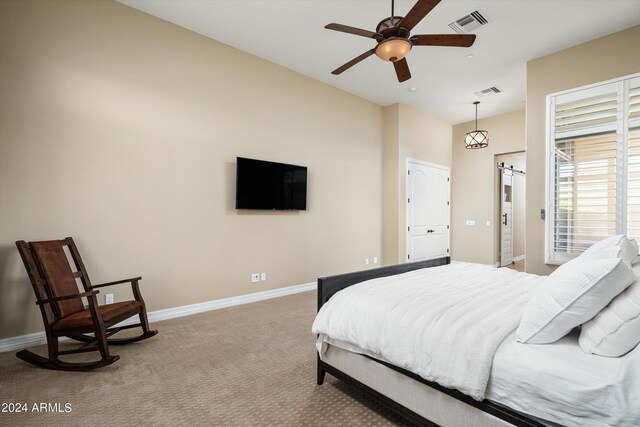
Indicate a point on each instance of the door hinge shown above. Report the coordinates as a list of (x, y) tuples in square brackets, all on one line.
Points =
[(408, 172), (447, 227), (447, 203), (408, 256), (447, 179), (447, 250), (408, 200), (408, 228)]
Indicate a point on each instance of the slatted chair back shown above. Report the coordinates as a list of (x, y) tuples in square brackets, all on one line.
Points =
[(38, 282), (51, 276), (59, 276), (80, 270)]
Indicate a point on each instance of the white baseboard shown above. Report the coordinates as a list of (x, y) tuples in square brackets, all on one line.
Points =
[(201, 307), (37, 338), (23, 341)]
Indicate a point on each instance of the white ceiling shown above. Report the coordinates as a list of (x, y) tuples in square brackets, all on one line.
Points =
[(291, 33)]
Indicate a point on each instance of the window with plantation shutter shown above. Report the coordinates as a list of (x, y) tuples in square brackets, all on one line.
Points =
[(633, 179), (593, 166)]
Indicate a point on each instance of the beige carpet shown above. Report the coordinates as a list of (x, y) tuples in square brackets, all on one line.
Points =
[(247, 365)]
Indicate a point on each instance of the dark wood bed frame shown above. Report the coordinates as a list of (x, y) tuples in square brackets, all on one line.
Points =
[(328, 286)]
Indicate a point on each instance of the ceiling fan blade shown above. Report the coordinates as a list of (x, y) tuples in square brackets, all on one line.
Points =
[(402, 70), (417, 12), (455, 40), (352, 30), (353, 62)]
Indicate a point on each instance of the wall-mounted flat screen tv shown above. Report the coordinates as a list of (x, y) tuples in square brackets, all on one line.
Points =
[(270, 186)]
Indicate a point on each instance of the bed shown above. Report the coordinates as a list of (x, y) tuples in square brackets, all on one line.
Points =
[(526, 385)]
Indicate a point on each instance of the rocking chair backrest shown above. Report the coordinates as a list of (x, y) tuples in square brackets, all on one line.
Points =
[(59, 279)]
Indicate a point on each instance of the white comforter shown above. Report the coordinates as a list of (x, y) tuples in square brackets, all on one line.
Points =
[(442, 323)]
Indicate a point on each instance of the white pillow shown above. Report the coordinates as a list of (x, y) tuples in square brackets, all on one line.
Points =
[(570, 296), (616, 329), (608, 252), (628, 246)]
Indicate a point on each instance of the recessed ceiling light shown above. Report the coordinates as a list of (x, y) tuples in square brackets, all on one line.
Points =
[(469, 56), (413, 89)]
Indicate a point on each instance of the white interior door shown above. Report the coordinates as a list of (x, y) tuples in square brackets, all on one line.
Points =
[(506, 217), (427, 211)]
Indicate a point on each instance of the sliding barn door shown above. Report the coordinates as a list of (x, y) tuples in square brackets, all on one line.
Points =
[(427, 211), (506, 218)]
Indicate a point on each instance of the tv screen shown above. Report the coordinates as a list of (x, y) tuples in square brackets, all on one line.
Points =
[(270, 186)]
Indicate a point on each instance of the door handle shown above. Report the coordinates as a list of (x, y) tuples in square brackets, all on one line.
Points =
[(431, 231), (505, 219)]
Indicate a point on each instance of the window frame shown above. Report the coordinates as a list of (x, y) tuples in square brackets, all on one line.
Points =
[(622, 127)]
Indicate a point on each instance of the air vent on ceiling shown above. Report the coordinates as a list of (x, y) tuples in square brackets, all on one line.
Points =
[(468, 23), (489, 91)]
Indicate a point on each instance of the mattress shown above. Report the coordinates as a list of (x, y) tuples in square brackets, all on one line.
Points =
[(561, 383), (558, 384), (429, 403)]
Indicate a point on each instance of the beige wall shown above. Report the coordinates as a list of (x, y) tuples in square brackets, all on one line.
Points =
[(518, 197), (609, 57), (423, 137), (122, 130), (474, 185), (391, 185), (408, 134)]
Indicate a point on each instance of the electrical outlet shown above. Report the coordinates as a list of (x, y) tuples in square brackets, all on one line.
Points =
[(366, 261), (255, 277), (375, 259), (471, 222), (263, 276), (108, 298)]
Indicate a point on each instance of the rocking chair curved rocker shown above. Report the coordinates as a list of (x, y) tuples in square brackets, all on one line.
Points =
[(63, 312)]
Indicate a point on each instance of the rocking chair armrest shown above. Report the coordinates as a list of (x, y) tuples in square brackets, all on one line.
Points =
[(65, 297), (117, 282)]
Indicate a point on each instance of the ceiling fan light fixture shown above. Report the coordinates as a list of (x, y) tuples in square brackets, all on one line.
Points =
[(394, 40), (393, 49), (476, 138)]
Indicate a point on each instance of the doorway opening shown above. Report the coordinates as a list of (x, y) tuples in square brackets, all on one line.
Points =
[(511, 210)]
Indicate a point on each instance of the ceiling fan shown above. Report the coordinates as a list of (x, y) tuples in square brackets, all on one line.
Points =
[(395, 41)]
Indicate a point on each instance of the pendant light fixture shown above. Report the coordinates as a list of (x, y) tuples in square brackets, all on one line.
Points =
[(477, 138)]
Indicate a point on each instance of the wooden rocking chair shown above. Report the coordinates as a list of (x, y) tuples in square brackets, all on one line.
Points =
[(63, 312)]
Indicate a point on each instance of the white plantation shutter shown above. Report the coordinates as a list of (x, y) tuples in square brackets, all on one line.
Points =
[(633, 177), (594, 166)]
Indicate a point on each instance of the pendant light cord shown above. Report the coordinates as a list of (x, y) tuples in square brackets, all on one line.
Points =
[(477, 102)]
